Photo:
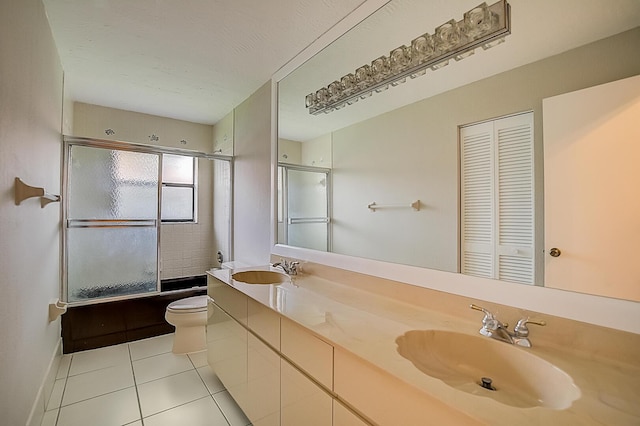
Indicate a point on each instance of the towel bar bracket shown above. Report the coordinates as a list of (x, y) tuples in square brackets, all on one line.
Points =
[(24, 191)]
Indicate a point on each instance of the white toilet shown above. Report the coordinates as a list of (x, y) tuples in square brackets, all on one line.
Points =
[(189, 317)]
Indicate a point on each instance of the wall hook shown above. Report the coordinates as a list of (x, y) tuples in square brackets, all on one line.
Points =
[(24, 191)]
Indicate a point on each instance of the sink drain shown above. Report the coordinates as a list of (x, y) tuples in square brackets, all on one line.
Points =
[(485, 382)]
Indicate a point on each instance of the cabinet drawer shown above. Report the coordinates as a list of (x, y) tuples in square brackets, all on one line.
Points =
[(229, 299), (307, 351), (264, 322)]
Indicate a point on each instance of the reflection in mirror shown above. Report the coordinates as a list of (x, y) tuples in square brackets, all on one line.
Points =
[(223, 136), (403, 144)]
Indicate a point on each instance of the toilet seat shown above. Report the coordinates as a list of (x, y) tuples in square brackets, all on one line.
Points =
[(188, 305)]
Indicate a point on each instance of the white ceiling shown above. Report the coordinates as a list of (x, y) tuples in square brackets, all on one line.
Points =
[(192, 60), (196, 60)]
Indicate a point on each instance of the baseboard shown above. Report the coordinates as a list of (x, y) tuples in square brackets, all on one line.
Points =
[(46, 387)]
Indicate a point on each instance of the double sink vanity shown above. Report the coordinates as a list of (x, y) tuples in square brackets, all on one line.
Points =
[(333, 347)]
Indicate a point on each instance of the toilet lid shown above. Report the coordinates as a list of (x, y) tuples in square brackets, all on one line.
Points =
[(189, 304)]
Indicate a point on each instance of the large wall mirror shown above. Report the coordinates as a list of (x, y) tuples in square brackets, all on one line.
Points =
[(384, 178)]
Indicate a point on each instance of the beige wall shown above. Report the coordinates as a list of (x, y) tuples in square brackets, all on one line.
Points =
[(223, 135), (417, 146), (317, 152), (187, 249), (252, 178), (30, 128), (92, 121), (289, 151)]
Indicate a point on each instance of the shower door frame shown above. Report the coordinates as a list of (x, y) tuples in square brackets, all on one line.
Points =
[(68, 142), (286, 220)]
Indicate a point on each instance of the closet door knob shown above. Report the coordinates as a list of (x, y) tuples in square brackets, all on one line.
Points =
[(555, 252)]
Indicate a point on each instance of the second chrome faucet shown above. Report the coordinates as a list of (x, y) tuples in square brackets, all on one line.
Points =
[(492, 327), (289, 268)]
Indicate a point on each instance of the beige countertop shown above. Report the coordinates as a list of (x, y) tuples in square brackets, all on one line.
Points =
[(367, 324)]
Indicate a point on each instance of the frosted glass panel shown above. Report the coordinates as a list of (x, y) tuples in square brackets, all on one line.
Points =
[(177, 203), (222, 207), (108, 261), (177, 169), (111, 239), (307, 201), (307, 194), (112, 184), (308, 235)]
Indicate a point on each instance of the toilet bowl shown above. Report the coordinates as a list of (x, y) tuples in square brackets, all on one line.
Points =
[(189, 317)]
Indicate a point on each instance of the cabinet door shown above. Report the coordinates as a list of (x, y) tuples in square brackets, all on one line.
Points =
[(263, 387), (303, 402), (227, 352), (342, 416)]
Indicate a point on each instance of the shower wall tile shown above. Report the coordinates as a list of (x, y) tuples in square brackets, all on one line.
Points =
[(187, 249)]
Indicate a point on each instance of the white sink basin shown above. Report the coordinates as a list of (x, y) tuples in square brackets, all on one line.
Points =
[(520, 378), (260, 277)]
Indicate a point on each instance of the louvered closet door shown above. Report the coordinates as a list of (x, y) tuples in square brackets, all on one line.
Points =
[(477, 180), (498, 199)]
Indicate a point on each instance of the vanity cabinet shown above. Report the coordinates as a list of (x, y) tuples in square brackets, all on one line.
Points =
[(342, 416), (309, 353), (263, 383), (229, 299), (227, 351), (303, 401), (278, 372), (264, 322)]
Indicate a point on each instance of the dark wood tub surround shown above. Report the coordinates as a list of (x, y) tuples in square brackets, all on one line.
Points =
[(111, 323)]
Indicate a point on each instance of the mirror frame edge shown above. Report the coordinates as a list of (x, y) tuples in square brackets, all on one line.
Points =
[(620, 314)]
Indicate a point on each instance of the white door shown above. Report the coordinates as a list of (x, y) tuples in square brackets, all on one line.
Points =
[(592, 189), (497, 199)]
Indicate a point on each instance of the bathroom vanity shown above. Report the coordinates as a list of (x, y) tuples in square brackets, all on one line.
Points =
[(333, 347)]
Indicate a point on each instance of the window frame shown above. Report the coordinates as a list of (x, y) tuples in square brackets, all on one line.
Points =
[(193, 186)]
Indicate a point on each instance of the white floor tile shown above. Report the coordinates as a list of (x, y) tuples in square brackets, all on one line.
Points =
[(99, 382), (199, 359), (55, 400), (136, 423), (63, 367), (50, 418), (159, 366), (114, 409), (235, 416), (170, 392), (210, 379), (150, 347), (95, 359), (202, 412)]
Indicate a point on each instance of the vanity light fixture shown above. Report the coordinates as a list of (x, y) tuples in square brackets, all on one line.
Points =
[(483, 26)]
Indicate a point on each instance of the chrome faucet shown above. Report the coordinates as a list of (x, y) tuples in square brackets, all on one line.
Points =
[(492, 327), (289, 268)]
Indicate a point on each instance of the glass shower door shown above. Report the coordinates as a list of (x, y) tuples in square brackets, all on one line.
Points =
[(111, 239), (306, 209)]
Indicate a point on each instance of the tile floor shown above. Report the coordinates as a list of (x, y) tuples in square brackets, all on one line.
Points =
[(140, 384)]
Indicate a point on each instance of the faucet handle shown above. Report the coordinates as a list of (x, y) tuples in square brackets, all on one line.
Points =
[(489, 321), (480, 308), (521, 329)]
